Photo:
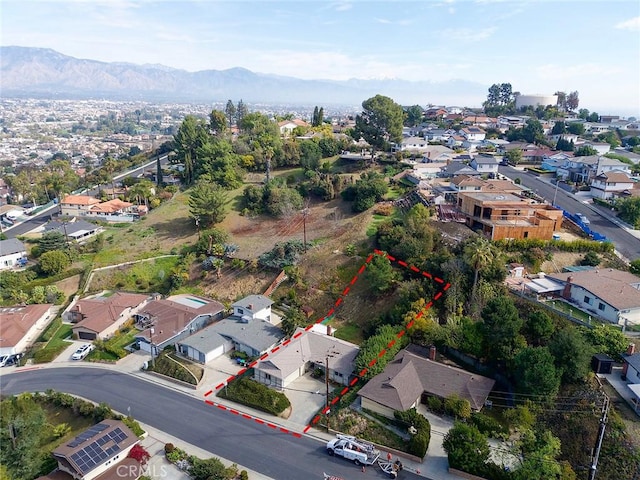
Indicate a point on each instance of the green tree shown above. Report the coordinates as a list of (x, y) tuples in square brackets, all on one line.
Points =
[(539, 327), (52, 240), (606, 339), (629, 210), (501, 328), (590, 259), (573, 101), (207, 203), (533, 131), (54, 262), (217, 122), (191, 136), (576, 128), (293, 319), (310, 155), (22, 426), (414, 115), (370, 349), (379, 123), (571, 354), (514, 157), (535, 373), (380, 274), (478, 254), (230, 112), (585, 151), (538, 452), (467, 449), (241, 111), (634, 266), (558, 128)]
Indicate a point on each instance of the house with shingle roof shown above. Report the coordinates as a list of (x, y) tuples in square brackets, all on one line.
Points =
[(74, 229), (613, 295), (101, 316), (409, 376), (611, 184), (12, 251), (99, 452), (307, 351), (485, 164), (167, 321)]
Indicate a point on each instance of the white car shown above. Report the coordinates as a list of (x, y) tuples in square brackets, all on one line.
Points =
[(82, 351), (583, 219)]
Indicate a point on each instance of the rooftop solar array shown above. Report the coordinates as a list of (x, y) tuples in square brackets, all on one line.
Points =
[(87, 434), (95, 453)]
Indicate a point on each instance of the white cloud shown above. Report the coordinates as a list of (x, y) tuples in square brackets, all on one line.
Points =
[(632, 24), (581, 70), (342, 6), (467, 34)]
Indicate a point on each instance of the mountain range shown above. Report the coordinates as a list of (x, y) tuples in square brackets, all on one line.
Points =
[(42, 72)]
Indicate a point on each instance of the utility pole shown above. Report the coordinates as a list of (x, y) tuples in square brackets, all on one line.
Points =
[(603, 424), (304, 227), (151, 331), (326, 381)]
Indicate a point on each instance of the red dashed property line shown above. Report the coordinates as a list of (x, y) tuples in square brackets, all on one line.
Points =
[(331, 311)]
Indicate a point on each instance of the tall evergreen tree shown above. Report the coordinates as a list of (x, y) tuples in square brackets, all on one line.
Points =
[(230, 111), (241, 111)]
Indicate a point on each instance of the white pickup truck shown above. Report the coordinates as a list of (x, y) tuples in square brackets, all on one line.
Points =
[(352, 448)]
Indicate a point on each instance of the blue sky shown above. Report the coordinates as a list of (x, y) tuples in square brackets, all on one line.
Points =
[(540, 46)]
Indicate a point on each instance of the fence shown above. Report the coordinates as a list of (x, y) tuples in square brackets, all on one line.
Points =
[(585, 228)]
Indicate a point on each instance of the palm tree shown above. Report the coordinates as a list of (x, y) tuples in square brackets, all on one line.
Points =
[(478, 254)]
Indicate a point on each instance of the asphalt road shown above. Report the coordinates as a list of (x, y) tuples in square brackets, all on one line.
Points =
[(43, 217), (278, 455), (625, 243)]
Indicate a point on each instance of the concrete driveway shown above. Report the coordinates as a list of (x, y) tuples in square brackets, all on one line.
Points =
[(307, 396)]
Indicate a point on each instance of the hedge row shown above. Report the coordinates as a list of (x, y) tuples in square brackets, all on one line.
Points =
[(165, 366), (557, 245), (256, 395), (419, 443)]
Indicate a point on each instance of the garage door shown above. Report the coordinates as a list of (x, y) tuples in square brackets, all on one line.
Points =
[(86, 336)]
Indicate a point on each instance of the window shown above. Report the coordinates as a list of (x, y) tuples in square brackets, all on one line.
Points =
[(526, 234), (601, 306), (587, 300), (240, 311)]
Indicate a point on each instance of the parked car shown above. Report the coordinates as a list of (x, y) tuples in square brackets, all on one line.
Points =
[(7, 360), (583, 219), (82, 351)]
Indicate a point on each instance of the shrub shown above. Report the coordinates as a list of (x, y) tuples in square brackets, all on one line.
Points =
[(419, 442), (488, 425), (256, 395), (133, 425), (457, 407), (244, 475), (168, 448), (435, 404)]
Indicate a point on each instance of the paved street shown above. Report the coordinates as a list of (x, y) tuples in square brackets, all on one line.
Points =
[(245, 442), (601, 221)]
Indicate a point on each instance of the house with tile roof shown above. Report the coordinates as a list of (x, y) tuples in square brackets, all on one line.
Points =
[(12, 253), (77, 205), (101, 316), (21, 326), (410, 376), (110, 207), (613, 295), (308, 351), (611, 184), (99, 452)]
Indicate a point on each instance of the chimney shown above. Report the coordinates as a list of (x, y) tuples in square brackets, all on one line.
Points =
[(329, 330), (251, 306), (432, 353), (78, 309), (566, 292), (631, 349)]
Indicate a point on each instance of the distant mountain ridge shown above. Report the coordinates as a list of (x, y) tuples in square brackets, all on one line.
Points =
[(43, 72)]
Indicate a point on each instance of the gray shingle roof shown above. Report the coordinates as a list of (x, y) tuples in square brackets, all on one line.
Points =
[(258, 302), (257, 334), (11, 246), (408, 375)]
